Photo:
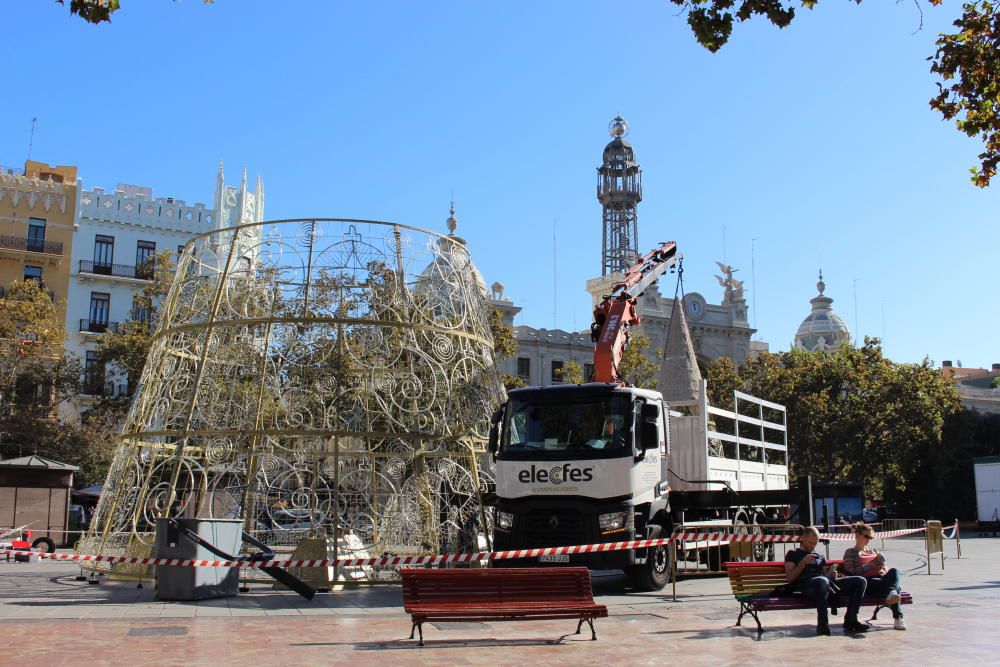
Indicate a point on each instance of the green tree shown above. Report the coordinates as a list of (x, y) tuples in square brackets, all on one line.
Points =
[(942, 483), (636, 368), (995, 383), (124, 348), (504, 347), (722, 378), (967, 60), (35, 374), (86, 445), (572, 373), (855, 414)]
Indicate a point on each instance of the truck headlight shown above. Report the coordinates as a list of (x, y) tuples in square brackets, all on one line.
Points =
[(505, 520), (612, 522)]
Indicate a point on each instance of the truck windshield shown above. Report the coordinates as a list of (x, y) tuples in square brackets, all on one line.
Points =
[(591, 428)]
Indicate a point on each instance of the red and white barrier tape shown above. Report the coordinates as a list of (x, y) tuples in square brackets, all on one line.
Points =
[(392, 561), (847, 537)]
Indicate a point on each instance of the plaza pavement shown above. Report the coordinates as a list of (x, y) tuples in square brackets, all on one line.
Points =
[(49, 618)]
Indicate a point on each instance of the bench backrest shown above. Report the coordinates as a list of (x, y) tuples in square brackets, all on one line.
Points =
[(500, 585), (750, 579)]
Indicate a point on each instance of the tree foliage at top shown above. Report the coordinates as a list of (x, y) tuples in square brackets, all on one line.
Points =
[(967, 60), (98, 11)]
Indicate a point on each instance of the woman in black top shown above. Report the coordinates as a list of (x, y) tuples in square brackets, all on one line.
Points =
[(805, 570)]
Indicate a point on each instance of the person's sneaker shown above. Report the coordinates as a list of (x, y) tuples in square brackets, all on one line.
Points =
[(892, 598), (899, 624), (823, 630)]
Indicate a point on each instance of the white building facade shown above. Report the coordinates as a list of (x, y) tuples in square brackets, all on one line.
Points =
[(116, 236)]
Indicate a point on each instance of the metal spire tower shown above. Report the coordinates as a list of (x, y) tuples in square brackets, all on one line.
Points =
[(619, 189)]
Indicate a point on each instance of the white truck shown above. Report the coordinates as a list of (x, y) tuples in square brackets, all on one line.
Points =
[(606, 462)]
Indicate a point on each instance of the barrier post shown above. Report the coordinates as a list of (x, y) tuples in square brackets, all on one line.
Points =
[(958, 540), (673, 556), (935, 542)]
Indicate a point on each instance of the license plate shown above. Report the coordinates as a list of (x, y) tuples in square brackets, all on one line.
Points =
[(557, 558)]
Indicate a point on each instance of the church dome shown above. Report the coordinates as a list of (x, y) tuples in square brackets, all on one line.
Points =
[(452, 265), (822, 330)]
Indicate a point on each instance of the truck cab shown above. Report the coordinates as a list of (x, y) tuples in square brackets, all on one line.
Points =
[(583, 464)]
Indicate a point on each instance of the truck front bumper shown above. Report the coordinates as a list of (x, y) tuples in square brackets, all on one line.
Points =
[(548, 522)]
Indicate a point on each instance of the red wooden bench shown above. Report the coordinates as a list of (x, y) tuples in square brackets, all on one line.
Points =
[(753, 584), (501, 594)]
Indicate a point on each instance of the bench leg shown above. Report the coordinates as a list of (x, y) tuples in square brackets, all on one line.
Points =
[(593, 633), (746, 609), (878, 608), (578, 626), (418, 627)]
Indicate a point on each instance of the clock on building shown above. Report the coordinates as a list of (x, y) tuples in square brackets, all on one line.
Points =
[(695, 305)]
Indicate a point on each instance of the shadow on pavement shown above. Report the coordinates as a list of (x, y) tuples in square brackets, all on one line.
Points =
[(410, 644)]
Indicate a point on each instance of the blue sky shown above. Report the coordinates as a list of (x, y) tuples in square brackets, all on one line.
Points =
[(816, 140)]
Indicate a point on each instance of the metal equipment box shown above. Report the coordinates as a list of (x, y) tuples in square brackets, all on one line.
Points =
[(197, 583)]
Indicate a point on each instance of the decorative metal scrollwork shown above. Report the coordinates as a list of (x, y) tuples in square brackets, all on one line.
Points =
[(314, 378)]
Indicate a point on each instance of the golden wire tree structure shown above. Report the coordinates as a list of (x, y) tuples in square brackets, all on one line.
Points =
[(324, 378)]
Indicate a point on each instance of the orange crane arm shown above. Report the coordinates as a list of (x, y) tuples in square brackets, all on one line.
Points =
[(616, 314)]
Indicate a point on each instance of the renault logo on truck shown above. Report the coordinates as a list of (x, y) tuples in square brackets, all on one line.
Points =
[(566, 472)]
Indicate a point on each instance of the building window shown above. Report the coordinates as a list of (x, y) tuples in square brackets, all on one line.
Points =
[(523, 367), (36, 234), (588, 372), (100, 308), (33, 273), (93, 374), (557, 367), (141, 313), (144, 252), (104, 254)]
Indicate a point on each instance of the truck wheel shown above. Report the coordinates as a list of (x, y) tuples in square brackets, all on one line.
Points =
[(44, 545), (654, 574)]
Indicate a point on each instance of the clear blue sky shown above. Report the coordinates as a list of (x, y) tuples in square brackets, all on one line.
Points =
[(816, 140)]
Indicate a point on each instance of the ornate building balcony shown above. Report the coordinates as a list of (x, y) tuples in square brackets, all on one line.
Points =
[(31, 245), (96, 326), (143, 272), (97, 387)]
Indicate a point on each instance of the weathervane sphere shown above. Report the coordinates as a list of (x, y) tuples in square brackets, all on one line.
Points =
[(618, 127)]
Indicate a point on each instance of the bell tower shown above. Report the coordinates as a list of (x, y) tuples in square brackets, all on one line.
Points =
[(619, 189)]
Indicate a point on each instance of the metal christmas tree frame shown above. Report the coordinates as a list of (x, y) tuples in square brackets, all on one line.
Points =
[(316, 378)]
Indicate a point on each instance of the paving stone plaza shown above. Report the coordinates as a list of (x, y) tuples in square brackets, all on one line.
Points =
[(47, 617)]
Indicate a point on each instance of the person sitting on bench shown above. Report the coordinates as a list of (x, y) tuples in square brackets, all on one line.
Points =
[(864, 561), (805, 571)]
